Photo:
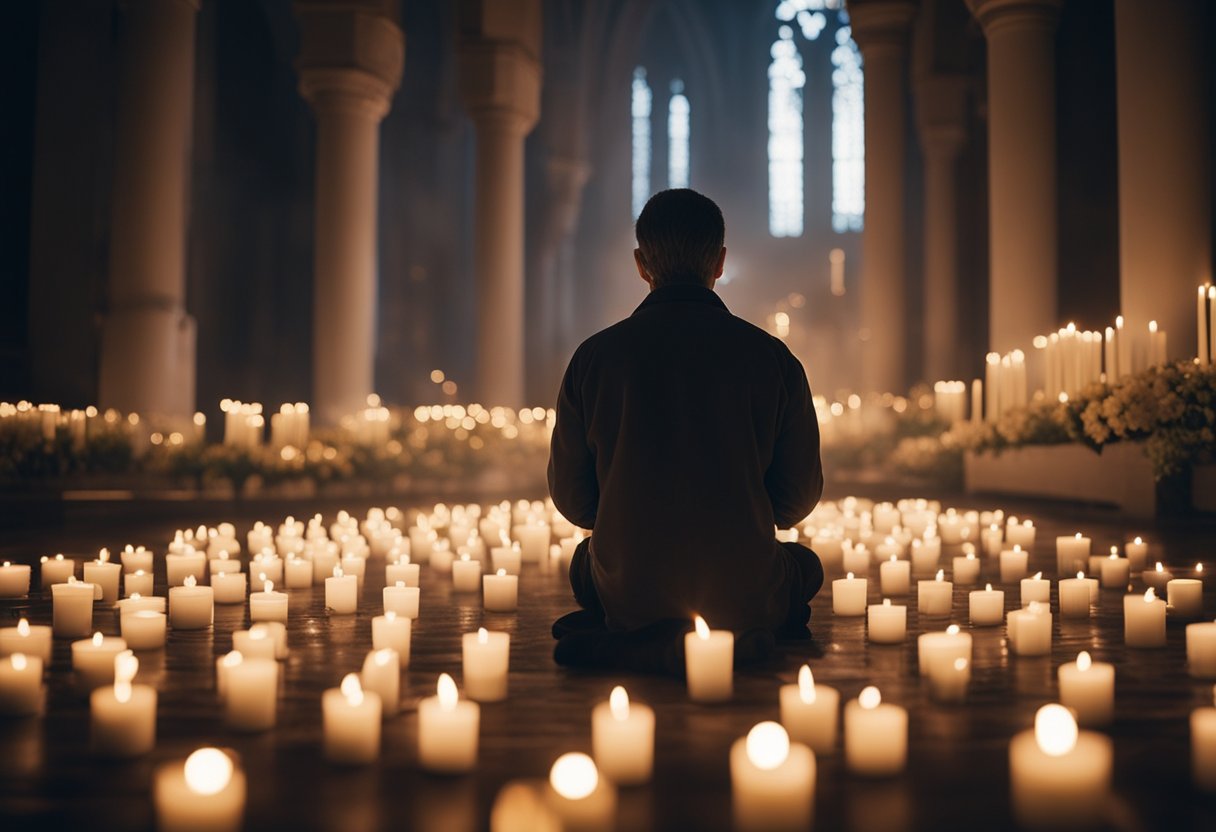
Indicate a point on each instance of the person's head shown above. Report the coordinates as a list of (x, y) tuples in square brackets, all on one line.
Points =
[(680, 239)]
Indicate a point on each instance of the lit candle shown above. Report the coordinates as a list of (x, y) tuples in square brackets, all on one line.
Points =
[(856, 559), (20, 685), (948, 681), (256, 642), (506, 557), (772, 780), (466, 574), (382, 675), (986, 606), (351, 722), (122, 721), (886, 624), (392, 631), (577, 795), (1076, 596), (143, 629), (14, 580), (56, 570), (104, 574), (1184, 597), (1013, 564), (155, 603), (1020, 534), (341, 592), (206, 792), (136, 560), (1072, 554), (1035, 589), (849, 596), (72, 608), (1157, 578), (93, 660), (1201, 650), (925, 555), (1060, 776), (1137, 554), (352, 564), (178, 567), (875, 735), (447, 730), (229, 587), (942, 648), (224, 563), (935, 597), (251, 693), (622, 739), (810, 712), (191, 607), (1088, 687), (297, 573), (1203, 746), (1144, 620), (533, 540), (270, 565), (138, 582), (895, 576), (1029, 630), (268, 605), (1116, 571), (30, 639), (500, 591), (709, 663), (403, 572), (966, 569), (486, 657)]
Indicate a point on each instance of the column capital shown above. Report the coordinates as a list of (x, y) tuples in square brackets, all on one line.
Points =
[(994, 15), (881, 24), (351, 55), (500, 68)]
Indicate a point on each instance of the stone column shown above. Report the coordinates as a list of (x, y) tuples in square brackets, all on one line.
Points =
[(941, 117), (350, 63), (1021, 168), (500, 76), (1165, 147), (880, 28), (147, 339)]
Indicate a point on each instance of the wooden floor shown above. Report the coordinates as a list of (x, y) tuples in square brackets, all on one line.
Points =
[(957, 776)]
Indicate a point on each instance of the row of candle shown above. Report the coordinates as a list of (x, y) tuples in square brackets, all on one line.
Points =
[(1206, 324)]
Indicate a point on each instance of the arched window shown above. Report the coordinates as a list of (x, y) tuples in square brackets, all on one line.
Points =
[(785, 82), (641, 99), (848, 133), (677, 137)]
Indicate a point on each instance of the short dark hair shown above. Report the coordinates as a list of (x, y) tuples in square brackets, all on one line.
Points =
[(680, 235)]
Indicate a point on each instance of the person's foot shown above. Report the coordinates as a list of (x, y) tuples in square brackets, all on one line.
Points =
[(578, 621)]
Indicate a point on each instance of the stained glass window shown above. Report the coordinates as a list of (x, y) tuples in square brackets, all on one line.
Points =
[(641, 101)]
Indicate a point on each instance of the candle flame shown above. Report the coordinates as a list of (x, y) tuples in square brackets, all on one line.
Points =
[(97, 639), (338, 573), (894, 558), (870, 698), (1150, 596), (574, 776), (1055, 730), (258, 632), (190, 581), (19, 661), (400, 584), (502, 573), (352, 690), (447, 693), (941, 575), (1080, 576), (125, 666), (483, 636), (208, 771), (23, 628), (618, 704), (886, 602), (232, 659), (104, 555), (987, 587), (383, 656), (849, 576), (806, 685), (960, 664), (465, 557), (1160, 568), (702, 628), (768, 745), (1199, 567), (1138, 541), (952, 630), (267, 586), (1038, 576), (1084, 662), (1078, 535)]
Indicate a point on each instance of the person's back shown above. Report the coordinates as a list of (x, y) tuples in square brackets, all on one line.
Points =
[(683, 435)]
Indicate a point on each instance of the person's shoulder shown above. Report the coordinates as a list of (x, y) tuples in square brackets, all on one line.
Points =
[(598, 341), (762, 338)]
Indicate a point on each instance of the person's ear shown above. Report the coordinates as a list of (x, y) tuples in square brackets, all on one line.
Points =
[(718, 269), (642, 272)]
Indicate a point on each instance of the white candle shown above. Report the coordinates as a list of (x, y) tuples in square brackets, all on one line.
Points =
[(1203, 746), (849, 596), (225, 564), (966, 569), (229, 588), (486, 657), (1020, 534), (886, 624), (447, 730), (936, 597), (1144, 620), (191, 607), (56, 570), (772, 780), (179, 567), (352, 564), (143, 629), (709, 663), (948, 681), (122, 716), (14, 580), (138, 582), (382, 675), (810, 712), (942, 648), (1060, 776), (533, 540), (1035, 589), (894, 576), (925, 555), (506, 557), (341, 592), (155, 603), (1137, 553), (1072, 554), (578, 797), (1201, 650), (856, 559), (136, 560), (1115, 571), (271, 566), (622, 739), (404, 572), (986, 606), (351, 722), (1029, 630), (1076, 596), (268, 605), (93, 660), (30, 639), (297, 573), (104, 574), (251, 691), (205, 792), (875, 735), (1157, 578), (72, 608), (401, 599), (20, 685), (1013, 564), (392, 631), (1184, 597), (256, 642), (500, 591), (1088, 688), (466, 574)]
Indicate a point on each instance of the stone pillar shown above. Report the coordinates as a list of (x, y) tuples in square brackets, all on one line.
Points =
[(1021, 168), (941, 118), (881, 28), (1165, 146), (147, 339), (500, 76), (351, 58)]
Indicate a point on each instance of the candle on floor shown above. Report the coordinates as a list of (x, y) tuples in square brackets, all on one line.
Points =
[(986, 606), (1144, 620), (1020, 534), (966, 569), (1076, 596), (886, 624), (1137, 553), (352, 564), (122, 716), (486, 657), (1157, 578), (1203, 746), (179, 567), (351, 722), (255, 643), (1072, 554), (500, 591), (1184, 596), (341, 592), (925, 555), (268, 605), (447, 730), (709, 663), (1088, 688), (14, 580), (856, 559), (622, 739), (138, 582), (271, 565), (136, 559), (578, 797), (205, 792), (155, 603), (93, 660), (72, 608), (1035, 589), (1115, 571), (224, 563), (392, 631), (402, 599), (895, 576), (991, 540), (104, 574), (1201, 650), (143, 629), (20, 685), (251, 693), (404, 572), (297, 573), (1059, 776), (506, 557), (772, 780), (191, 607), (229, 587), (942, 648), (1029, 630), (810, 712), (382, 676), (56, 570), (30, 639), (1013, 564), (935, 597), (849, 595), (948, 681), (875, 735), (466, 574)]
